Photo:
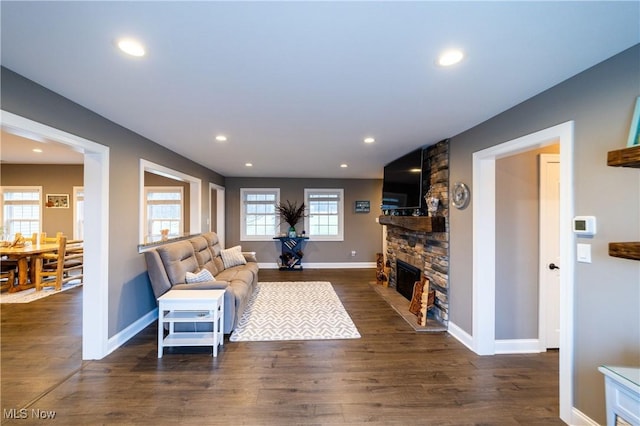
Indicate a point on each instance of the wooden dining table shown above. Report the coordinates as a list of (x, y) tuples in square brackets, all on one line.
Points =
[(23, 256)]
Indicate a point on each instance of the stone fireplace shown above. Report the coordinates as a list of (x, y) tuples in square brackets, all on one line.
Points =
[(406, 276), (423, 242)]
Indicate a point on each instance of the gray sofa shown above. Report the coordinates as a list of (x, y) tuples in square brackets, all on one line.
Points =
[(169, 263)]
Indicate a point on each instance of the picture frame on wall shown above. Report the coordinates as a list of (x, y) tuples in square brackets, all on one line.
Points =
[(634, 130), (362, 206), (57, 201)]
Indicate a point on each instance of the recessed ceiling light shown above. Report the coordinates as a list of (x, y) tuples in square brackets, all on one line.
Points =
[(221, 138), (248, 164), (369, 140), (450, 57), (38, 150), (131, 47), (344, 165)]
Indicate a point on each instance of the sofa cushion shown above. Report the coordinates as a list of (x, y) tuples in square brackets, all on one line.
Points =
[(203, 254), (201, 276), (214, 246), (233, 257), (178, 258), (238, 273)]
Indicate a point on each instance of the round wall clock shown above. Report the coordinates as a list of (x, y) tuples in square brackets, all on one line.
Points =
[(460, 195)]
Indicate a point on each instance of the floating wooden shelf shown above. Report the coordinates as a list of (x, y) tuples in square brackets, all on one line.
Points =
[(415, 223), (625, 157), (625, 250)]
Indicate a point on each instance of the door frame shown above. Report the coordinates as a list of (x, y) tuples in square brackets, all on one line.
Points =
[(220, 206), (542, 288), (95, 297), (484, 251)]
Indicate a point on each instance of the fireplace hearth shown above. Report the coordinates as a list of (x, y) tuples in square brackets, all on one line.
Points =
[(407, 275)]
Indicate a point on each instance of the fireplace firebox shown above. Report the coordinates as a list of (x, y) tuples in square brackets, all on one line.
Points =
[(406, 275)]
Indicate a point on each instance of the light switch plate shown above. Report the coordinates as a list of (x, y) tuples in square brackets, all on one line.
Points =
[(584, 253)]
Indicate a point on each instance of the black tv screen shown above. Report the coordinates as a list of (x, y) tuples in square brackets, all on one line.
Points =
[(402, 183)]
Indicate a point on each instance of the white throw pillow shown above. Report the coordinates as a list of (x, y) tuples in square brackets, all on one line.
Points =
[(201, 276), (232, 257)]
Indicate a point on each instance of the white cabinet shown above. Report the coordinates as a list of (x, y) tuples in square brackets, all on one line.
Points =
[(622, 390)]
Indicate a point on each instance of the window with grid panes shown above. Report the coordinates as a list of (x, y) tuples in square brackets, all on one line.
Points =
[(164, 210), (325, 214), (21, 210), (258, 219)]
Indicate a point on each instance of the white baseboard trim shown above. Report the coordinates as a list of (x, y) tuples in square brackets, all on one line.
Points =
[(578, 418), (328, 265), (460, 335), (122, 337), (517, 346)]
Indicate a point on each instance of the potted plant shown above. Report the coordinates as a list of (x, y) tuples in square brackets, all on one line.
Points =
[(291, 214)]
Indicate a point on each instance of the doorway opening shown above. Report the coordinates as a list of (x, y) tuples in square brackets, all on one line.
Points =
[(95, 298), (484, 247)]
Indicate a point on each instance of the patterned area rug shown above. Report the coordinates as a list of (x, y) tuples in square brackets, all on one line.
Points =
[(31, 294), (294, 311)]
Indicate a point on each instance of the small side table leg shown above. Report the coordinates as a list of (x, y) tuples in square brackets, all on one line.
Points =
[(160, 330), (214, 315), (221, 328)]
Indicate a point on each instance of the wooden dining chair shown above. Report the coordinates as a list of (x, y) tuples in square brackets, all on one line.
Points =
[(65, 265), (7, 273), (44, 239)]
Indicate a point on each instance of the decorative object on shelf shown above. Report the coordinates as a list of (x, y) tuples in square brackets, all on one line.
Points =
[(291, 214), (432, 202), (57, 201), (634, 130), (362, 206), (460, 195)]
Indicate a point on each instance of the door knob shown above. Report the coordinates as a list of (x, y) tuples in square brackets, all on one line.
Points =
[(553, 266)]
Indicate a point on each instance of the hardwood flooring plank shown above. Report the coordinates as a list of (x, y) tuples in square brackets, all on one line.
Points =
[(390, 376)]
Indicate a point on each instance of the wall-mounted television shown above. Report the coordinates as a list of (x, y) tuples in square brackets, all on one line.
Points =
[(402, 183)]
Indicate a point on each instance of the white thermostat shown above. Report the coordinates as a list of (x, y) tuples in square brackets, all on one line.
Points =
[(584, 225)]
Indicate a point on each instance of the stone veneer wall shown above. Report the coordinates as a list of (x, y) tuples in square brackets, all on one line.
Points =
[(428, 251)]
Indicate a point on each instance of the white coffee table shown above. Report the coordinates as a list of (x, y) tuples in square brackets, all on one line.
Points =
[(191, 306)]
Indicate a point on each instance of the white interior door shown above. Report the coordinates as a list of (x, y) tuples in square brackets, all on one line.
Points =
[(549, 306)]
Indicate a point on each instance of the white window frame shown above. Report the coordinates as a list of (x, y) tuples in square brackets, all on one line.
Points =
[(168, 189), (5, 189), (307, 226), (78, 218), (243, 213)]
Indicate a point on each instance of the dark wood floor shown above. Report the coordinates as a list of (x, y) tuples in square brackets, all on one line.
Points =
[(390, 376)]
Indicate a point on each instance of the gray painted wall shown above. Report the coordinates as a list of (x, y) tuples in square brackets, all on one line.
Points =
[(130, 295), (517, 211), (600, 101), (361, 231)]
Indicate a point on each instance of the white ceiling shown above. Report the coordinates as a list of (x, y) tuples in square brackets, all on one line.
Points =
[(296, 86)]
